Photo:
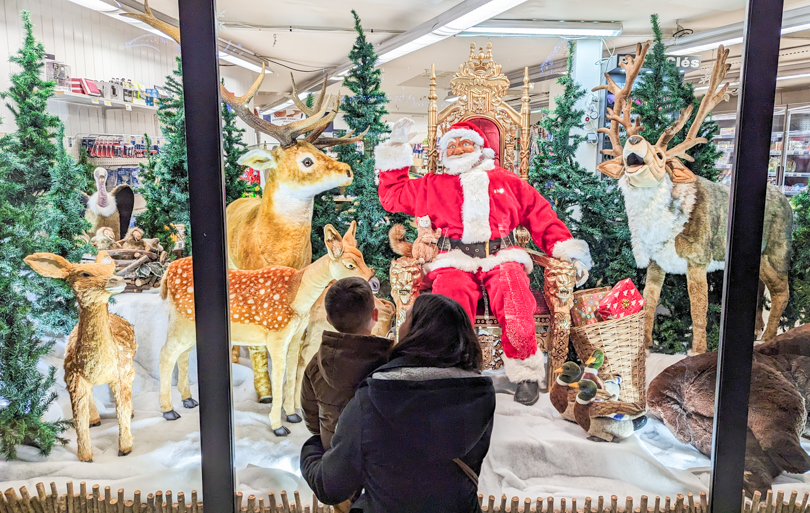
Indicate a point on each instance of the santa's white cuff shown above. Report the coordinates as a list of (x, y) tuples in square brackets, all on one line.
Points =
[(573, 249), (390, 156), (464, 262), (532, 368)]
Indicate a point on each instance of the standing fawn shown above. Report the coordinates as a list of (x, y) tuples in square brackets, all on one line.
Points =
[(269, 307), (100, 348)]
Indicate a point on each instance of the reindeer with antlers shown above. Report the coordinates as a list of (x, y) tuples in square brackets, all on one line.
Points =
[(678, 220), (275, 229)]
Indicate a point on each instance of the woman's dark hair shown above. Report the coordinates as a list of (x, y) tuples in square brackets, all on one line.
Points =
[(440, 334)]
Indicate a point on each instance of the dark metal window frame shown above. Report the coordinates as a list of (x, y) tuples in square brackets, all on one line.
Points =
[(207, 197)]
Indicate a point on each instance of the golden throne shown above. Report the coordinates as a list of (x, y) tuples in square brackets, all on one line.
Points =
[(480, 86)]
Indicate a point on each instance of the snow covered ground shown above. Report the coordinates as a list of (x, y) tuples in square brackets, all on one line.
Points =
[(533, 453)]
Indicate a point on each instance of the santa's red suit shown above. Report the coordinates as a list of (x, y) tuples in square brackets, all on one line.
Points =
[(477, 207)]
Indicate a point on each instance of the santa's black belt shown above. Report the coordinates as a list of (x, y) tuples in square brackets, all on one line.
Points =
[(478, 249)]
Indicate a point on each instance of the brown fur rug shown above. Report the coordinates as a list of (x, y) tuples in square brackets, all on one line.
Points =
[(682, 396)]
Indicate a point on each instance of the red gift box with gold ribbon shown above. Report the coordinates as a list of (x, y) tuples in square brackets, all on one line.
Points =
[(623, 299)]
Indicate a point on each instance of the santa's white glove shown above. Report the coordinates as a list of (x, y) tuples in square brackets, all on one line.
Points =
[(582, 272), (400, 133)]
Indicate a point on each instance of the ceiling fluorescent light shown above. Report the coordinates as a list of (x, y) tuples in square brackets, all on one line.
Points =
[(545, 29), (96, 5), (242, 62), (691, 50), (285, 105), (791, 77), (457, 19)]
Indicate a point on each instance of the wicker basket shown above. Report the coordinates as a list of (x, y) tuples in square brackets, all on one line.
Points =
[(622, 340)]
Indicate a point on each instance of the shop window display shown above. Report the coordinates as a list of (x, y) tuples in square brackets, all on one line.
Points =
[(584, 410)]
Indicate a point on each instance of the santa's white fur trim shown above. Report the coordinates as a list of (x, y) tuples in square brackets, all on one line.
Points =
[(464, 133), (489, 153), (107, 211), (389, 156), (532, 368), (463, 262), (475, 207), (573, 249)]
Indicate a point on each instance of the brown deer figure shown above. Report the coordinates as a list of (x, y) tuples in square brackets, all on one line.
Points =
[(269, 307), (275, 229), (100, 349), (677, 220)]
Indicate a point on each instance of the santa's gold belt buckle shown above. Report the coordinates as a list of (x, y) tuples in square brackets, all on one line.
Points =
[(486, 248)]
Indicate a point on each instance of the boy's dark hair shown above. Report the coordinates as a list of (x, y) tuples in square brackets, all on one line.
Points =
[(349, 304), (440, 334)]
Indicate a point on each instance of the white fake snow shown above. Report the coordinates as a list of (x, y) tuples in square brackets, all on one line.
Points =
[(534, 453)]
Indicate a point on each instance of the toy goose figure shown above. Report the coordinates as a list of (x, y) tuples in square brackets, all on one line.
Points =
[(561, 395), (609, 383), (595, 416)]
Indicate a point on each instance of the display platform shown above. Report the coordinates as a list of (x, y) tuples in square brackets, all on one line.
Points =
[(534, 453)]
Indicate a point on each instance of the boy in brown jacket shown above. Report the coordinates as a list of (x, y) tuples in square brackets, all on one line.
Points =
[(344, 359)]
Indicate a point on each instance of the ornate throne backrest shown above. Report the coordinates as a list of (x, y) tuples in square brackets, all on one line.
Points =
[(480, 86)]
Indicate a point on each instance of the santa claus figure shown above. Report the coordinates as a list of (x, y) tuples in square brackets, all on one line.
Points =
[(477, 205)]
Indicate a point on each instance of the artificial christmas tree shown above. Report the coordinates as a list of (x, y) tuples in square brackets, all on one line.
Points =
[(60, 216), (27, 157), (658, 97), (798, 307), (365, 109), (165, 187), (233, 148), (29, 153), (592, 208)]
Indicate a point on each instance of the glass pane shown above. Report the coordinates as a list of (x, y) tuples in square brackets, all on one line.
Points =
[(108, 124)]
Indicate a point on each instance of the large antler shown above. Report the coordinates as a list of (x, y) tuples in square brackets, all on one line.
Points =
[(713, 96), (620, 113), (318, 118)]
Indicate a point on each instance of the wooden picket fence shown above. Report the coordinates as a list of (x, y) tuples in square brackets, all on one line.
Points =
[(102, 501)]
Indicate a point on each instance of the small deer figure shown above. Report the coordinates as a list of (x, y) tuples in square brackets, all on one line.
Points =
[(678, 220), (269, 307), (100, 349)]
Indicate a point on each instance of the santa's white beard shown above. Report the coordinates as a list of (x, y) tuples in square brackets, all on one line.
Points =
[(459, 164)]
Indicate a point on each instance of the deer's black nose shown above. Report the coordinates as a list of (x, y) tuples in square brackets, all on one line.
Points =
[(634, 139), (349, 173), (374, 283)]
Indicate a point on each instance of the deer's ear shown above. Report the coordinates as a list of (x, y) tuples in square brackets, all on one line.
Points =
[(349, 238), (104, 258), (613, 168), (333, 241), (679, 173), (49, 265), (258, 159)]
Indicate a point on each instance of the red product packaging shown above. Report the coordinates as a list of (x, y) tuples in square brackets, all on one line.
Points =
[(623, 299), (76, 86)]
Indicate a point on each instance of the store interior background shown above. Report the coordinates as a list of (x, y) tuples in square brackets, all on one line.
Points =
[(315, 36)]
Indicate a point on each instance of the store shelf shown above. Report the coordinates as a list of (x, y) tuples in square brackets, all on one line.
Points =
[(83, 99), (798, 152), (794, 175), (117, 161), (793, 193)]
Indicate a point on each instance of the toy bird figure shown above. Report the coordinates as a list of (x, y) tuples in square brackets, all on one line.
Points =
[(598, 418), (610, 383), (561, 395), (113, 209)]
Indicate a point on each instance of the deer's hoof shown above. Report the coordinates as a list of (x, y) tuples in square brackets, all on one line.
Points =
[(96, 424), (294, 418), (190, 403), (124, 453), (282, 431), (171, 415), (266, 399), (639, 422)]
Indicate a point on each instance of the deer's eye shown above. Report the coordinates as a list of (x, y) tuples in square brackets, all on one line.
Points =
[(86, 275), (307, 162), (349, 265)]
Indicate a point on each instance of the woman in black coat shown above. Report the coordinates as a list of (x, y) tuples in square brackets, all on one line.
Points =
[(415, 434)]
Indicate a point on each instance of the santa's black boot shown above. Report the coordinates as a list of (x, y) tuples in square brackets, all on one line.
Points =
[(528, 392)]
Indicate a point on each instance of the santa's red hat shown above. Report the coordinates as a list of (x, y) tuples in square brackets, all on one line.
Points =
[(469, 131)]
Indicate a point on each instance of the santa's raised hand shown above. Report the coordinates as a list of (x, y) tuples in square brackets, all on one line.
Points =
[(401, 131)]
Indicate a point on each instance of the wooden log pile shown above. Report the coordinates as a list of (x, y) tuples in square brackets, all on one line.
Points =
[(97, 500), (142, 269)]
